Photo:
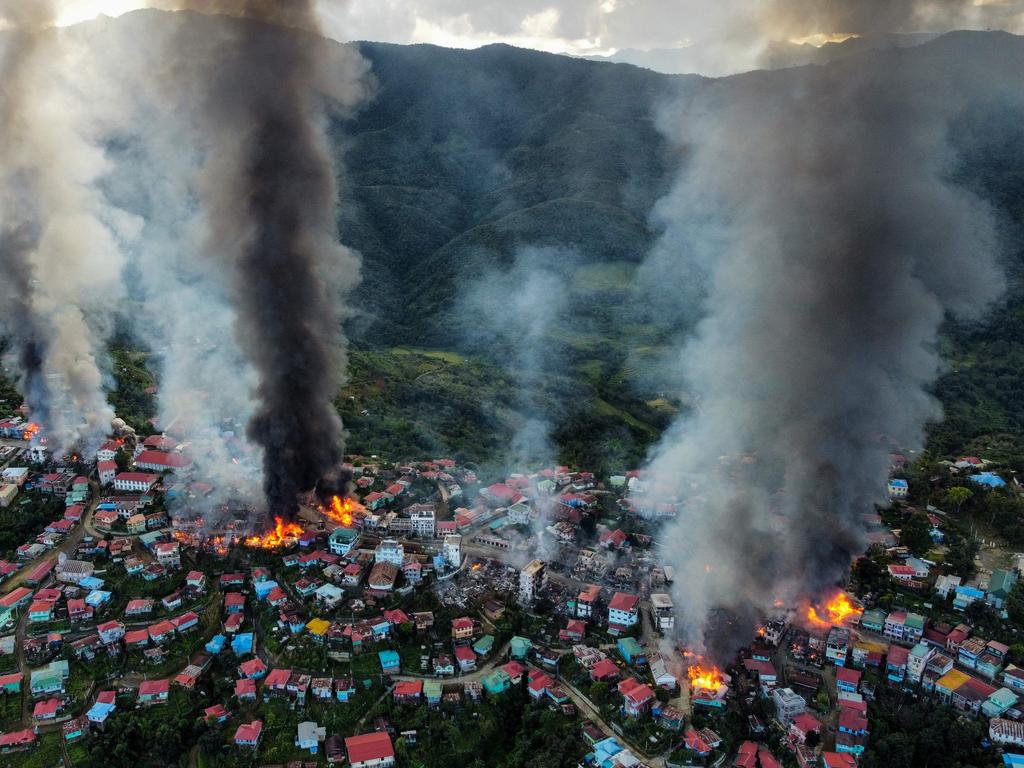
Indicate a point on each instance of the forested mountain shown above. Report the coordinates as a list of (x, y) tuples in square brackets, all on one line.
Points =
[(467, 174)]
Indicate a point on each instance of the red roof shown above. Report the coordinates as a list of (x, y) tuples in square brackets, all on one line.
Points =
[(852, 720), (462, 653), (502, 492), (161, 628), (106, 697), (106, 466), (154, 687), (278, 678), (16, 738), (369, 746), (245, 686), (137, 477), (136, 637), (897, 655), (248, 732), (805, 722), (603, 669), (623, 601), (405, 688), (161, 459), (847, 675), (838, 760), (463, 622), (46, 708)]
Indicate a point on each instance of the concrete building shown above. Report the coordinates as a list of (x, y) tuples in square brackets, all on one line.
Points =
[(422, 519), (788, 704), (531, 581), (453, 551), (918, 659), (342, 540), (390, 551), (663, 611)]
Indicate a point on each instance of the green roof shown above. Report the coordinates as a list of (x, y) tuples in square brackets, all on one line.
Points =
[(432, 689), (875, 617), (497, 681), (914, 621), (344, 534), (520, 646), (484, 644), (630, 646), (1003, 698), (1001, 582), (919, 650)]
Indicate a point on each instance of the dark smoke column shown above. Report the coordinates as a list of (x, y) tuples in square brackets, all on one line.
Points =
[(269, 195)]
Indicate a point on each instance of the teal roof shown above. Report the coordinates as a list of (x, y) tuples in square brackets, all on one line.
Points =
[(520, 645), (914, 621), (1002, 582), (630, 647), (874, 617), (1004, 698), (484, 644), (346, 535), (389, 658), (919, 650), (497, 681)]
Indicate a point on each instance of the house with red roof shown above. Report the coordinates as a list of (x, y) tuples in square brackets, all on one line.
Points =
[(161, 631), (248, 734), (408, 691), (45, 710), (802, 725), (18, 740), (604, 670), (154, 692), (623, 611), (574, 632), (612, 539), (466, 658), (215, 714), (370, 750), (838, 760), (696, 743), (253, 669), (110, 632), (136, 638), (78, 610), (234, 602), (185, 623), (636, 697), (245, 689), (136, 482), (276, 683)]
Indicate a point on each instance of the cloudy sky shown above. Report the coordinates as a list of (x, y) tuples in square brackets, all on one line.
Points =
[(723, 29)]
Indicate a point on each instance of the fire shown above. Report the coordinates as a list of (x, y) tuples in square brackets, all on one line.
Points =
[(762, 631), (30, 431), (705, 679), (477, 566), (836, 612), (343, 510), (278, 537)]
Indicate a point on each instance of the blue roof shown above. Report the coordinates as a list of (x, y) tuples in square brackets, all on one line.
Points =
[(99, 711), (990, 479), (969, 591), (91, 582), (1012, 758), (388, 658), (216, 644), (898, 483), (96, 597), (242, 644)]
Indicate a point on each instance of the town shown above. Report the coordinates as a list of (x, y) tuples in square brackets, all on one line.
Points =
[(410, 622)]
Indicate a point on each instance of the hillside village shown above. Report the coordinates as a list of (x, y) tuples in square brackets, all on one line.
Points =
[(445, 604)]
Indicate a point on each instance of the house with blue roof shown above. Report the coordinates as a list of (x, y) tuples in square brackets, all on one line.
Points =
[(216, 644), (964, 595), (264, 588), (390, 661), (99, 712), (97, 597), (898, 489), (989, 479), (242, 643), (91, 582)]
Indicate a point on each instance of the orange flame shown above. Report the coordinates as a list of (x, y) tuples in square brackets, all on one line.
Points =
[(705, 679), (343, 510), (281, 535), (837, 610), (762, 631), (30, 431)]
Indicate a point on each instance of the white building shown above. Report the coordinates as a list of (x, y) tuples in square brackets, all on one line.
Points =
[(137, 482), (918, 659), (453, 551), (531, 581), (663, 611), (623, 609), (1006, 732), (107, 471), (422, 517), (788, 704), (390, 551), (168, 554), (39, 454)]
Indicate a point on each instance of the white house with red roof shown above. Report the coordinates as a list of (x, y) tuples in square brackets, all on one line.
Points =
[(623, 610), (249, 734), (161, 461), (107, 471), (370, 750), (636, 696)]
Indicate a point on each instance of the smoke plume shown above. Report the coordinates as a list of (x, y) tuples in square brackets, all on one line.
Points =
[(60, 240), (268, 193), (818, 208)]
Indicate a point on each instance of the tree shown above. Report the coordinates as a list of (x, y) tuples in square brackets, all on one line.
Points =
[(599, 693), (957, 495), (1015, 607), (961, 554), (916, 534)]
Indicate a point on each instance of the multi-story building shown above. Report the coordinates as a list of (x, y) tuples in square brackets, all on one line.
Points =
[(342, 540), (623, 610), (138, 482), (837, 645), (531, 581), (390, 551), (788, 704), (919, 657), (423, 519), (453, 551), (663, 611), (168, 554)]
